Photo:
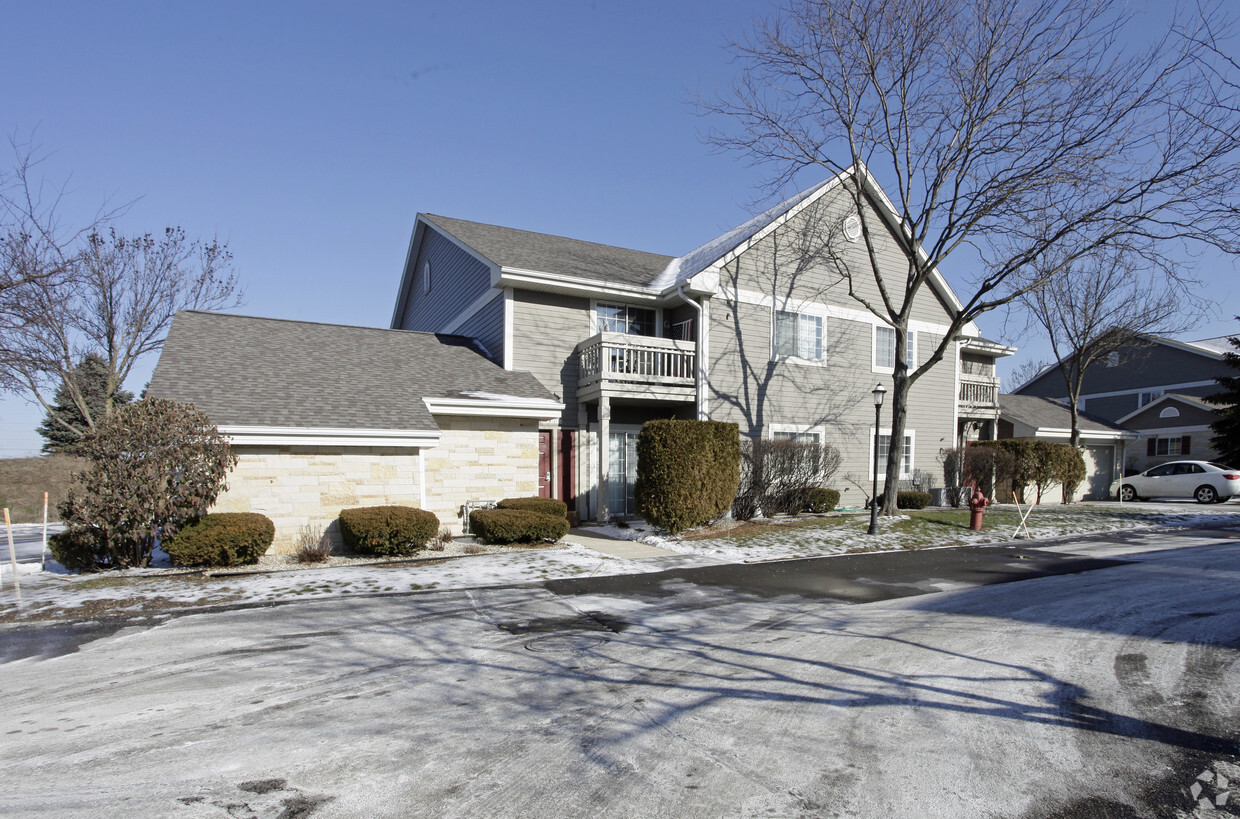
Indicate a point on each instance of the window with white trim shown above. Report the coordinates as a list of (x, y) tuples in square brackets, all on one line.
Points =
[(884, 445), (798, 335), (885, 348), (1147, 397), (624, 318), (799, 437), (426, 276)]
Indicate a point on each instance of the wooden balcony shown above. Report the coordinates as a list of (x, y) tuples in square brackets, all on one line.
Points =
[(625, 366), (979, 396)]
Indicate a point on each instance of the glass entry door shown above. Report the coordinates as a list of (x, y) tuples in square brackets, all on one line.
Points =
[(622, 475)]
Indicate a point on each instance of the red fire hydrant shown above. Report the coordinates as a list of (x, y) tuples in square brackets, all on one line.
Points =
[(977, 508)]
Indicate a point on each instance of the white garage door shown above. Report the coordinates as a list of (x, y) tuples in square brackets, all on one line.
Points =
[(1099, 465)]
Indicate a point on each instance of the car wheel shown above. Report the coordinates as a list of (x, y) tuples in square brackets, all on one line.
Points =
[(1206, 494), (1127, 493)]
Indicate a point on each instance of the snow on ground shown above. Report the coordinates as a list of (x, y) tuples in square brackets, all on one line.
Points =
[(47, 591)]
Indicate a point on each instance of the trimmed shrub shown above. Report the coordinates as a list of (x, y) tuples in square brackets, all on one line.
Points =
[(387, 530), (1069, 469), (222, 539), (908, 500), (823, 500), (547, 506), (516, 526), (687, 472)]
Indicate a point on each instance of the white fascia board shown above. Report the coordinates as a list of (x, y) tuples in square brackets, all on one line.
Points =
[(1166, 398), (472, 310), (571, 285), (508, 407), (988, 347), (1186, 346), (406, 278), (330, 436), (1051, 432)]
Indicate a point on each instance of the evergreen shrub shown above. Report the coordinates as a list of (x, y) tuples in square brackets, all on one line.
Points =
[(908, 500), (687, 472), (547, 506), (516, 526), (387, 530), (823, 500), (75, 549), (222, 539)]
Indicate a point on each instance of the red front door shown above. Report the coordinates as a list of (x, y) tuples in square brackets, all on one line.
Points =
[(544, 463)]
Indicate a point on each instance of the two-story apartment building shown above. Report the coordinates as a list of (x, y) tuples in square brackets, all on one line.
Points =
[(756, 327), (1153, 387)]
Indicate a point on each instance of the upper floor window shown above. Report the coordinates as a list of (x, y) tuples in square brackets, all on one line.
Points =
[(1146, 397), (798, 335), (623, 318), (885, 348), (1111, 359), (426, 276)]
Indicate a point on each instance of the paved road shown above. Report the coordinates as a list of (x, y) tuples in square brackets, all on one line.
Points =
[(27, 542), (1103, 691)]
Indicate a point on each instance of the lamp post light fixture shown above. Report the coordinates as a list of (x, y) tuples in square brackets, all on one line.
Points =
[(878, 392)]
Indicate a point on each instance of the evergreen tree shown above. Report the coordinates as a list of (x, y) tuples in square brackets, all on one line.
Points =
[(1226, 440), (65, 424)]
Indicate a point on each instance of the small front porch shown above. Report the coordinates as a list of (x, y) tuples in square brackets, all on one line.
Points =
[(624, 381)]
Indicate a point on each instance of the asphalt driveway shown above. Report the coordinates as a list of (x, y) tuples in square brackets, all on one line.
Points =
[(1108, 691)]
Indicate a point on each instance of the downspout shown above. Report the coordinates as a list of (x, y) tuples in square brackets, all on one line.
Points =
[(699, 369)]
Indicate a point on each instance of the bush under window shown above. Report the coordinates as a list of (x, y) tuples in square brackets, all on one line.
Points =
[(516, 526), (387, 530)]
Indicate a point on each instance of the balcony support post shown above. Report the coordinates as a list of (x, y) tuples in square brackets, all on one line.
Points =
[(604, 459)]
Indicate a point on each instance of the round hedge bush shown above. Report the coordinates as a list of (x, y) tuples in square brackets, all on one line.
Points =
[(547, 506), (822, 500), (387, 530), (908, 500), (516, 526), (222, 539)]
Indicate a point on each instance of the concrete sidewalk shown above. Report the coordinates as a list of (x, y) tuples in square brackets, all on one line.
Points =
[(628, 549)]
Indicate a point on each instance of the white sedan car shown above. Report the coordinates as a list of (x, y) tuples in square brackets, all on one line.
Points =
[(1202, 481)]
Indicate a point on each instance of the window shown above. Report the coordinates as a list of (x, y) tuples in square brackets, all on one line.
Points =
[(1111, 359), (798, 335), (799, 437), (1146, 397), (884, 445), (426, 276), (1169, 412), (885, 348), (622, 475), (622, 318), (1171, 446)]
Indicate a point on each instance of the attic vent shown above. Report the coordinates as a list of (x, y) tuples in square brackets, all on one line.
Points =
[(852, 228), (1169, 412)]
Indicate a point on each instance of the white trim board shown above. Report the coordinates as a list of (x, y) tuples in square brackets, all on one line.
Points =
[(330, 437), (510, 407)]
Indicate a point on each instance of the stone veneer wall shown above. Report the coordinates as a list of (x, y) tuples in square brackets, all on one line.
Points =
[(480, 459), (477, 458), (298, 485)]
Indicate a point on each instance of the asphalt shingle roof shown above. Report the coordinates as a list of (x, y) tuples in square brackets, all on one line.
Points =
[(246, 371), (1043, 413), (525, 250)]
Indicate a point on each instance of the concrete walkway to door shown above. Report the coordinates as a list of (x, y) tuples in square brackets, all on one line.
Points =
[(628, 549)]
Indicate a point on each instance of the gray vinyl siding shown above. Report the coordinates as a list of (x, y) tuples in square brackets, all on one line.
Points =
[(545, 333), (750, 389), (1140, 369), (457, 280), (487, 325), (1189, 417)]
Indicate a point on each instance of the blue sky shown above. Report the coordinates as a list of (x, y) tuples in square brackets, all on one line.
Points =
[(308, 135)]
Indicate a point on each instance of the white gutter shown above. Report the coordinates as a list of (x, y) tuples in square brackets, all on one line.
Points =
[(500, 407), (330, 436), (699, 369)]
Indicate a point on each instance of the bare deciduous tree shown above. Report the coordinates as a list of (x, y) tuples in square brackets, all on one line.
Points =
[(68, 294), (1002, 130), (1099, 307)]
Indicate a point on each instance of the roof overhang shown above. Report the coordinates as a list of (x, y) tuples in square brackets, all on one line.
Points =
[(571, 285), (330, 436), (986, 347), (1102, 434), (496, 406), (1171, 397)]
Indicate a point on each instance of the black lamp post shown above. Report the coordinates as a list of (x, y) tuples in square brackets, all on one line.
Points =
[(878, 392)]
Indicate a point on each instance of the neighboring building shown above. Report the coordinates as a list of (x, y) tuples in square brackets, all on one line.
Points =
[(755, 327), (1172, 427), (324, 417), (1104, 444), (1135, 387)]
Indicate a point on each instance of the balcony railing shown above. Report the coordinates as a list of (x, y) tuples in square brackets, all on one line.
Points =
[(979, 392), (619, 360)]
